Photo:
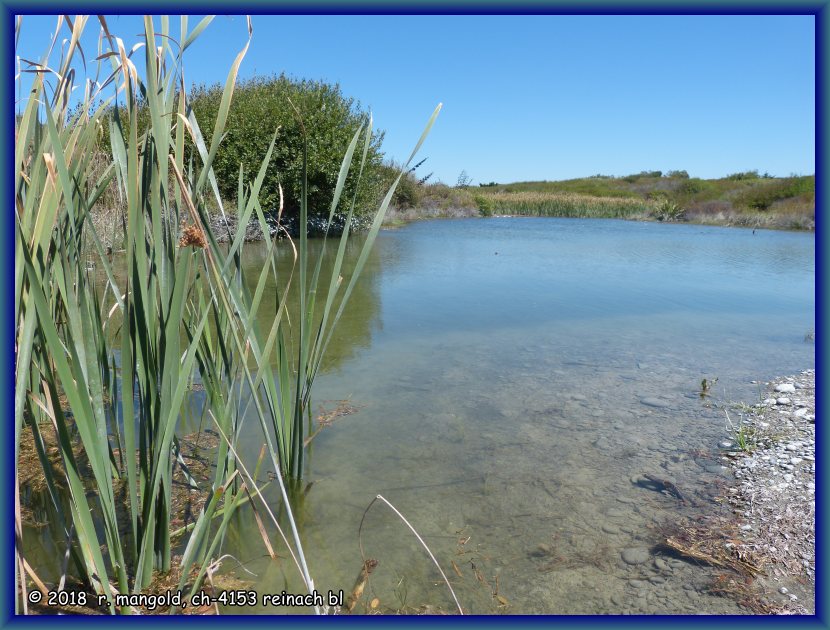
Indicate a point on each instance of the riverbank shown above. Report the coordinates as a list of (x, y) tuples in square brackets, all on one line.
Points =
[(772, 457), (742, 199), (801, 221)]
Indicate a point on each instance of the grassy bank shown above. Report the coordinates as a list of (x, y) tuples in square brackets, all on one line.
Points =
[(741, 199)]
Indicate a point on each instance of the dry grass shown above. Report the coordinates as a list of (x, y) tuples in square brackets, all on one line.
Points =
[(573, 553), (715, 541), (746, 592)]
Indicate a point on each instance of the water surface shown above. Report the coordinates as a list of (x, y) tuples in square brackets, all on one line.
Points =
[(501, 366), (513, 379)]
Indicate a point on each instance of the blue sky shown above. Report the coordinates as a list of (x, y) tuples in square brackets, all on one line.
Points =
[(541, 97)]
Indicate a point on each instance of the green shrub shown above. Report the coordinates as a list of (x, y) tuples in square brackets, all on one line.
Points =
[(409, 193), (322, 111), (764, 194), (485, 206), (692, 186)]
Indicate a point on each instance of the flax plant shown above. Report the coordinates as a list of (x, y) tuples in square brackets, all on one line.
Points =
[(123, 355)]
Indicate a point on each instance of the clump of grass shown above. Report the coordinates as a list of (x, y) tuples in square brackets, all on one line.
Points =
[(745, 436)]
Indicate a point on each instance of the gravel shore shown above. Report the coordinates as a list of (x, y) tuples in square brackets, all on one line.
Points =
[(772, 456)]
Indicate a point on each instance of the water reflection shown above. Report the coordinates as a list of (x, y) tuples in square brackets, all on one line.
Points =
[(360, 319)]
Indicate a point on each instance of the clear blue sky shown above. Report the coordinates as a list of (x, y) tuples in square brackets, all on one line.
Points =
[(541, 97)]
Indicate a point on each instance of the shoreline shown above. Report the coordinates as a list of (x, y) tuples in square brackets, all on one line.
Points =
[(396, 218), (772, 457)]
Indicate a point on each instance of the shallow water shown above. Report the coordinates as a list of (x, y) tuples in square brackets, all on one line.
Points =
[(513, 376)]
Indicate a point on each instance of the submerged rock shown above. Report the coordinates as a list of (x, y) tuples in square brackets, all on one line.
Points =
[(635, 555), (655, 402)]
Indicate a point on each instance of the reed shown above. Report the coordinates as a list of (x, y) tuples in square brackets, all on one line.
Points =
[(109, 368), (564, 204)]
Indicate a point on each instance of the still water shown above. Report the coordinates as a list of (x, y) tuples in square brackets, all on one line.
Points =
[(513, 375)]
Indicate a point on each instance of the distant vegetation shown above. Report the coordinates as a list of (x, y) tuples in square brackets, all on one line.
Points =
[(328, 118), (746, 198)]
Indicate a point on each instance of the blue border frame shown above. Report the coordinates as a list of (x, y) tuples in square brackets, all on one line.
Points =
[(820, 9)]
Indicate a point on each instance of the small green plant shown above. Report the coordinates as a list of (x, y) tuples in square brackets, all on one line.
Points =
[(668, 211), (745, 435), (401, 591)]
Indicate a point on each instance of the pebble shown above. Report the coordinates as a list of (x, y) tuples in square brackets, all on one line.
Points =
[(610, 528), (785, 388), (636, 583), (783, 401), (635, 555), (661, 564)]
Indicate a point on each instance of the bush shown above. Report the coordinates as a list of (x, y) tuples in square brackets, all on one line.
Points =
[(329, 119), (763, 195), (692, 186), (408, 194), (485, 206)]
